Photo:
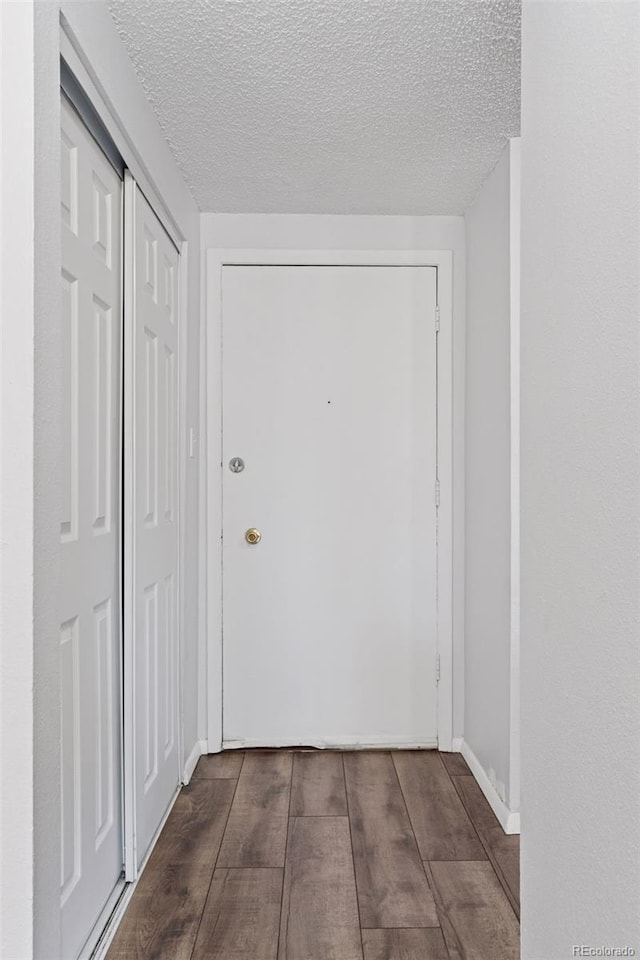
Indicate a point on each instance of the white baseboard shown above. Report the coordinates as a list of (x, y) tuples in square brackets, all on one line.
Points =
[(335, 743), (199, 747), (509, 819), (456, 745)]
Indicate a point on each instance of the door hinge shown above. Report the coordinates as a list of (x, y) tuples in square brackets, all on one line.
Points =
[(437, 668), (437, 493), (437, 319)]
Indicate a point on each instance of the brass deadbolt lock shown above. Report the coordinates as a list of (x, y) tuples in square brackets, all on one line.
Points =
[(253, 536)]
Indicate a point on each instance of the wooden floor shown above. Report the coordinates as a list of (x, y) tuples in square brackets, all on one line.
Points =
[(320, 855)]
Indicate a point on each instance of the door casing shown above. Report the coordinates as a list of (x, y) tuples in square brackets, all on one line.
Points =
[(442, 260)]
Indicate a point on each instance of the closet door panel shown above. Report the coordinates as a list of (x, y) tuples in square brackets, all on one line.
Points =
[(90, 532), (155, 519)]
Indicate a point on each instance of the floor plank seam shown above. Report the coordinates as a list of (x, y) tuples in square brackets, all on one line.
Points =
[(447, 929), (284, 868), (215, 865), (465, 923), (425, 926), (461, 860), (353, 859), (477, 833), (434, 926), (415, 839), (485, 846), (212, 778), (319, 816)]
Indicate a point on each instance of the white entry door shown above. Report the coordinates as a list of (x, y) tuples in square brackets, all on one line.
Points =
[(90, 594), (153, 601), (329, 398)]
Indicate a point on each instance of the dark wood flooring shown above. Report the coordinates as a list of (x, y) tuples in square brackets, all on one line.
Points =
[(321, 855)]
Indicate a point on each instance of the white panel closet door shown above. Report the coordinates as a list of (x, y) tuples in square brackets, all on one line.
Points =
[(329, 396), (155, 519), (90, 595)]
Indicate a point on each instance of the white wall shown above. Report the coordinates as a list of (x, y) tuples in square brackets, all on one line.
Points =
[(31, 392), (317, 232), (489, 618), (580, 478), (47, 494), (16, 476)]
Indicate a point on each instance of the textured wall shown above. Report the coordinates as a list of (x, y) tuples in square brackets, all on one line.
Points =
[(291, 106), (580, 479), (488, 486)]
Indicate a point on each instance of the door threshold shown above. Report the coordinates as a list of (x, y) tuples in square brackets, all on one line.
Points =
[(335, 743)]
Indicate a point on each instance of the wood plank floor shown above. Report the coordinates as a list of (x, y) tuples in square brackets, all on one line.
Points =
[(322, 855)]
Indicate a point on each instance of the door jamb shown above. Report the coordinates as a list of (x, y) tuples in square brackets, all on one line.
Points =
[(442, 260)]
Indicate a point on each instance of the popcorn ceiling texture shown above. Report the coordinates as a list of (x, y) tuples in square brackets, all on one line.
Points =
[(330, 106)]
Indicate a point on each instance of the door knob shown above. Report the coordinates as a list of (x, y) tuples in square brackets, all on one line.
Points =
[(253, 536)]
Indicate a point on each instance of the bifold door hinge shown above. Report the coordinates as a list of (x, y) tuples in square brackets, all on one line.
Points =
[(437, 668), (437, 493), (437, 319)]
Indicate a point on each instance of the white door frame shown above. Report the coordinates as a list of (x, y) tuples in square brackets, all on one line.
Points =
[(442, 260)]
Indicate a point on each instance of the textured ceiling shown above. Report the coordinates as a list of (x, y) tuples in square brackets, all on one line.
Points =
[(330, 106)]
